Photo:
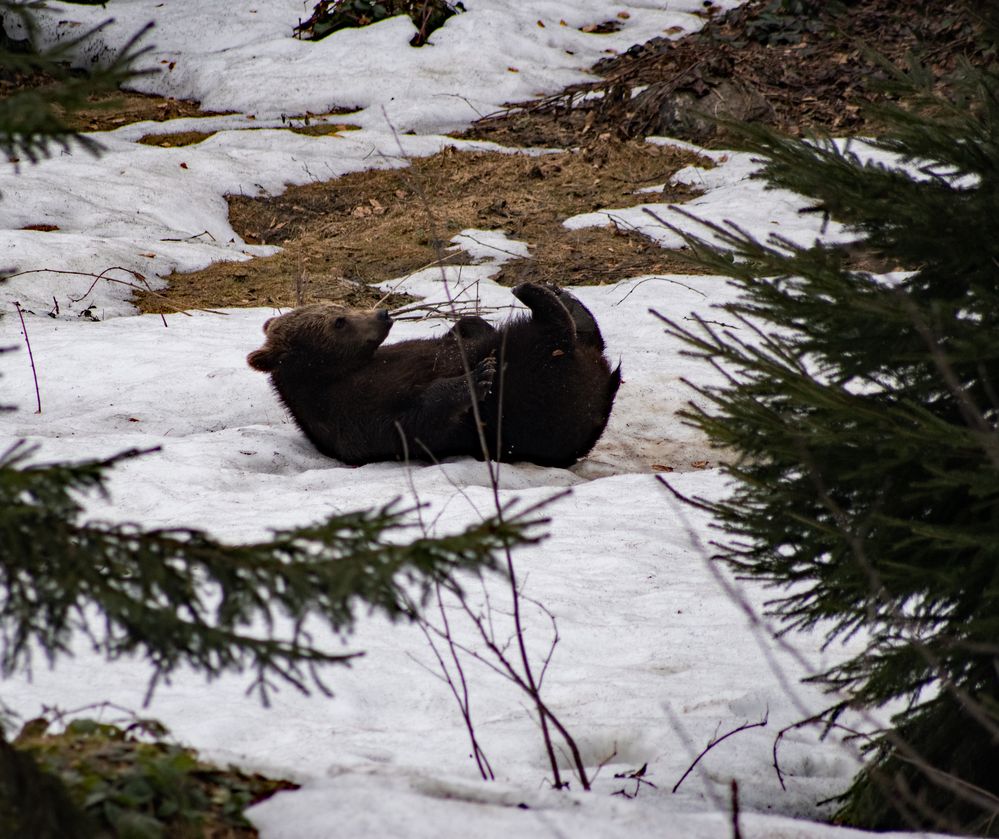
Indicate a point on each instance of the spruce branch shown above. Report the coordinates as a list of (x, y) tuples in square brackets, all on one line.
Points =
[(34, 119), (179, 596), (862, 410)]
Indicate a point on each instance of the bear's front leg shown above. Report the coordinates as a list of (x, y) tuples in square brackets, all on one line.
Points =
[(439, 421), (452, 393)]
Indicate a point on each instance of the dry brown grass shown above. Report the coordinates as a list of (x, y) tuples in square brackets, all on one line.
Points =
[(365, 227), (113, 110), (177, 139)]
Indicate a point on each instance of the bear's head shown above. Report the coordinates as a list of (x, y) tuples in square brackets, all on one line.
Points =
[(321, 335)]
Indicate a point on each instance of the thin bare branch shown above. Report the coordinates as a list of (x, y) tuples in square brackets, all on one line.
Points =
[(716, 740)]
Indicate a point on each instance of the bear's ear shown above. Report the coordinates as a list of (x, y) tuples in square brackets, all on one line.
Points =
[(264, 359)]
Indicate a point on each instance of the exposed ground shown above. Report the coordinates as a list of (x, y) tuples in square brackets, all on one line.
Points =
[(105, 113), (108, 111), (371, 226), (802, 66)]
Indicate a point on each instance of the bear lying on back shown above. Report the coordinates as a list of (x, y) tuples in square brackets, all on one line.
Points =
[(359, 401)]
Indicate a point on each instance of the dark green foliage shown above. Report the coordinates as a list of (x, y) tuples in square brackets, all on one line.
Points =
[(133, 782), (786, 21), (34, 116), (181, 597), (945, 739), (330, 16), (866, 409), (34, 803)]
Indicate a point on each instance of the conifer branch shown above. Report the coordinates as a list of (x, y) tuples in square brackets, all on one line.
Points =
[(178, 596), (864, 411)]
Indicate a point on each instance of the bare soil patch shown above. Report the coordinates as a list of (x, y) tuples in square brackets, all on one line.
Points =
[(177, 139), (340, 235), (113, 110), (102, 111), (800, 71), (106, 111), (594, 255)]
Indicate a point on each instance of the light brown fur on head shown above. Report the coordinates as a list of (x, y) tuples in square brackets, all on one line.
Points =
[(322, 332)]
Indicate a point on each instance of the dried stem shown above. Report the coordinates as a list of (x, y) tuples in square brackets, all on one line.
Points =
[(524, 675), (716, 740), (736, 832), (31, 357), (103, 276)]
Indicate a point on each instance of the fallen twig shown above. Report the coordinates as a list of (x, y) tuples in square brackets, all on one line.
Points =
[(716, 740), (638, 776), (444, 309), (828, 721), (103, 276), (191, 237), (98, 277)]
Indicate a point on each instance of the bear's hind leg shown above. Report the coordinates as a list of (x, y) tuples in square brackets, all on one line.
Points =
[(587, 330), (549, 314)]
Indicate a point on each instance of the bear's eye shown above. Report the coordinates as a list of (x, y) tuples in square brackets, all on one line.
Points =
[(339, 323)]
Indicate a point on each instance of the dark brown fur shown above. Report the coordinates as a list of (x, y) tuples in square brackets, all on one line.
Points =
[(359, 401), (555, 390)]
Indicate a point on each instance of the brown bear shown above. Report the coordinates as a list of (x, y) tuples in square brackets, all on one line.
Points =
[(359, 401), (553, 395)]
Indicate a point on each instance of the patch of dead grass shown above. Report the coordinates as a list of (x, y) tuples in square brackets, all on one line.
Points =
[(176, 139), (113, 110), (323, 129), (371, 226), (591, 256), (191, 138)]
